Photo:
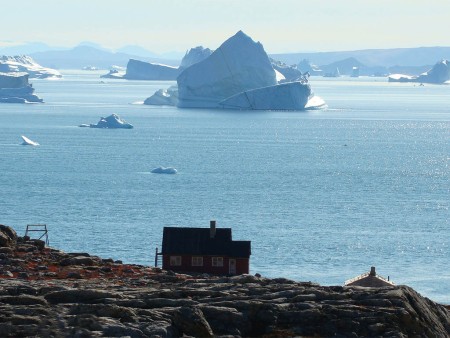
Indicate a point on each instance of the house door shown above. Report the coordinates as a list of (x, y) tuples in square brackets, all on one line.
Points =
[(232, 266)]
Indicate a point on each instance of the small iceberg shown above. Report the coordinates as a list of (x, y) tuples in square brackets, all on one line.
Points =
[(111, 122), (439, 74), (315, 103), (28, 142), (164, 170)]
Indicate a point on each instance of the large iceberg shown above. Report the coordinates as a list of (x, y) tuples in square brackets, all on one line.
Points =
[(440, 73), (23, 63), (238, 75), (14, 88), (239, 64), (141, 70)]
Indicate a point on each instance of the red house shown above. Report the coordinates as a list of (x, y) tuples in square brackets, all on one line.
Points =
[(204, 250)]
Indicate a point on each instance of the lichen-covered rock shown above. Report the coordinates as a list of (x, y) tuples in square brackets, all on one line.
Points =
[(79, 296), (226, 320), (105, 310), (155, 303), (190, 321), (8, 236), (77, 260), (23, 300)]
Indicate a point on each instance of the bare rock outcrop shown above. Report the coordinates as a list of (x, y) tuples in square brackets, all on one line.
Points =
[(114, 300), (8, 236)]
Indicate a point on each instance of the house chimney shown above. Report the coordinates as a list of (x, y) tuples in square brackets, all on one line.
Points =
[(372, 271), (212, 229)]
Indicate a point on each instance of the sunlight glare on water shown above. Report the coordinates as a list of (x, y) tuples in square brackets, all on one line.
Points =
[(323, 194)]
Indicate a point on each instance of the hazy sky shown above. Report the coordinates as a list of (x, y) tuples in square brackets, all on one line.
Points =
[(177, 25)]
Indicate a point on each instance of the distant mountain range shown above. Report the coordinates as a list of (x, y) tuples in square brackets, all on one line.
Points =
[(89, 54), (373, 57), (82, 56), (26, 49), (412, 60)]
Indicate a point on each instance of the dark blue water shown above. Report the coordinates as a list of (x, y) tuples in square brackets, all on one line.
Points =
[(322, 195)]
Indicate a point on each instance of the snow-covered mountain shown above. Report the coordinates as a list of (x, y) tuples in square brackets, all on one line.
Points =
[(23, 63)]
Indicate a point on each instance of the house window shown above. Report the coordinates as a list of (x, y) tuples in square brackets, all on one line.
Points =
[(217, 261), (175, 260), (197, 261)]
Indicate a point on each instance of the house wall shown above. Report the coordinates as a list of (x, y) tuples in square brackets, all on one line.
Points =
[(242, 265)]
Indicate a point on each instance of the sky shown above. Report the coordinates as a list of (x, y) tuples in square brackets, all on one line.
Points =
[(282, 26)]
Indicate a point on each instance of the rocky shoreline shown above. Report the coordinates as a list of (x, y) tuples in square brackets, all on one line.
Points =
[(45, 292)]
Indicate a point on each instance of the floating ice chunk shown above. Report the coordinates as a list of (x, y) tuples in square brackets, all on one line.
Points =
[(440, 73), (164, 97), (28, 142), (315, 102), (111, 122), (114, 74), (164, 170), (400, 78)]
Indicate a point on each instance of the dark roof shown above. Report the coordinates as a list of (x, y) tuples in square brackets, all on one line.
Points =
[(197, 241), (369, 279)]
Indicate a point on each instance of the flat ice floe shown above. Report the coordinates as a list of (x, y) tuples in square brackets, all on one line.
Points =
[(164, 170)]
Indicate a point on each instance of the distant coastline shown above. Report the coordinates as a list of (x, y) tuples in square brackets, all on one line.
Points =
[(414, 58)]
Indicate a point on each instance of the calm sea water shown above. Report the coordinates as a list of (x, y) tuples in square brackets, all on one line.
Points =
[(323, 195)]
